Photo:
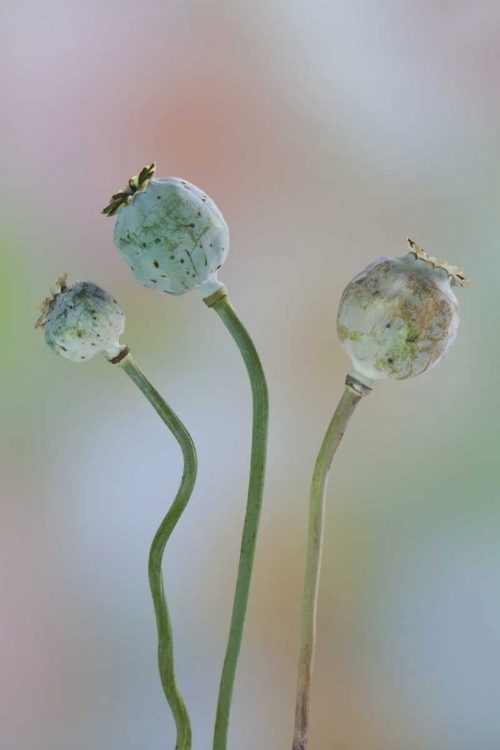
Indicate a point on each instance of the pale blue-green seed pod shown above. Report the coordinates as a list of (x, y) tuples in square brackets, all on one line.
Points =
[(399, 317), (170, 232), (81, 321)]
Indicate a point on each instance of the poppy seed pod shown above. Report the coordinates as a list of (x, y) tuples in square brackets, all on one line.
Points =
[(170, 232), (399, 317), (81, 321)]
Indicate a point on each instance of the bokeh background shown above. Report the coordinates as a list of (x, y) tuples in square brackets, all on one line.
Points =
[(327, 132)]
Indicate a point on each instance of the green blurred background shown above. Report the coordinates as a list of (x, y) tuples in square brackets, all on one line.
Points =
[(327, 132)]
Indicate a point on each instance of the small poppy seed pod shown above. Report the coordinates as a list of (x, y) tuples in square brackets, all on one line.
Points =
[(170, 232), (81, 321), (399, 317)]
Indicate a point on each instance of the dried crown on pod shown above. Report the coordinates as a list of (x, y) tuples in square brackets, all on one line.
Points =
[(399, 317), (170, 232)]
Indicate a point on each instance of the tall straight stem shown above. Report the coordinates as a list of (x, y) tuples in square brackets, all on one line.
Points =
[(165, 638), (260, 400), (353, 393)]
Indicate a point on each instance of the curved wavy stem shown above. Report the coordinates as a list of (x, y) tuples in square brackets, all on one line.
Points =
[(260, 400), (353, 393), (165, 638)]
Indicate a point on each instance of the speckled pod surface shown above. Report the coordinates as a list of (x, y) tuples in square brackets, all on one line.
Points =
[(398, 317), (173, 237), (82, 321)]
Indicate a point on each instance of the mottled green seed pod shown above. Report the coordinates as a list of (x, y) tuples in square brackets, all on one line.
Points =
[(81, 321), (399, 317), (170, 232)]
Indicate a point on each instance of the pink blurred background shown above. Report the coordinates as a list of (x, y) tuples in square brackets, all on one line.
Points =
[(327, 132)]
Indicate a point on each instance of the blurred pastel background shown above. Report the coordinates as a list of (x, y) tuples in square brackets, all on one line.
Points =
[(327, 132)]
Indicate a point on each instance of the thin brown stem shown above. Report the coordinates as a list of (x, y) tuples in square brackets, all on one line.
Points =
[(353, 393)]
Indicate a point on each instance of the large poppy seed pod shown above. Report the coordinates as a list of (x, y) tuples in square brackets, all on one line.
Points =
[(170, 232), (81, 321), (399, 317)]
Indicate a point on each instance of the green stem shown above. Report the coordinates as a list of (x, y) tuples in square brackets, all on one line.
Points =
[(165, 639), (254, 503), (353, 393)]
